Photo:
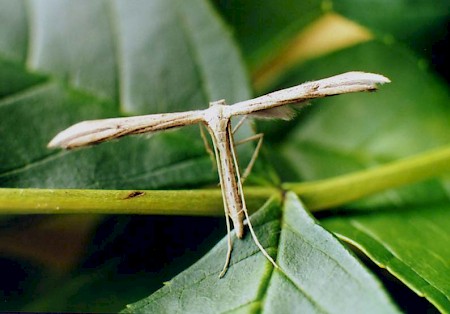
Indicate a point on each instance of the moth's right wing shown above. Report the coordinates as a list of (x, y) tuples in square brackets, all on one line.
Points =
[(275, 105), (96, 131)]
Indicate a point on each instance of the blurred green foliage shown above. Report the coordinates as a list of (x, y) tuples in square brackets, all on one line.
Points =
[(66, 61)]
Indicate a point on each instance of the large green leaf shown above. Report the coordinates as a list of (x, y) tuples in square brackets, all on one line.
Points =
[(352, 132), (265, 28), (105, 58), (66, 61), (317, 274), (417, 23), (15, 28), (412, 243)]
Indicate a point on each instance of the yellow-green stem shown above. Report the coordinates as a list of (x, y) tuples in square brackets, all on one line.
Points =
[(317, 195), (200, 202), (323, 194)]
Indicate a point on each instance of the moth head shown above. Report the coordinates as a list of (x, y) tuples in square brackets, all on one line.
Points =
[(220, 102)]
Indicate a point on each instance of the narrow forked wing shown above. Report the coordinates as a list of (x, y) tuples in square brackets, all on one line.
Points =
[(95, 131), (269, 105)]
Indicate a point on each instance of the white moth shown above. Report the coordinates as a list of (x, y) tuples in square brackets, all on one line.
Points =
[(217, 119)]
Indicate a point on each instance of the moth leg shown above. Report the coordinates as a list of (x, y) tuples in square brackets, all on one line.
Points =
[(230, 247), (239, 124), (255, 239), (207, 146), (244, 209), (250, 165)]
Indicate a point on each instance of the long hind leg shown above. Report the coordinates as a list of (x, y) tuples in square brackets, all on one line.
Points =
[(230, 247), (244, 208)]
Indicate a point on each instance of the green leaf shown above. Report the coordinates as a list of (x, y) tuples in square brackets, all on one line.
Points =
[(418, 23), (343, 134), (317, 274), (13, 44), (154, 56), (280, 20), (14, 78), (67, 61), (137, 58), (411, 243)]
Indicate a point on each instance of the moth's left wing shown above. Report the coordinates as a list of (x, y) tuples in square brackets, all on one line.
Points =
[(95, 131), (273, 105)]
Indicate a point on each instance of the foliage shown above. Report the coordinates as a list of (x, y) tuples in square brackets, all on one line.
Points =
[(66, 61)]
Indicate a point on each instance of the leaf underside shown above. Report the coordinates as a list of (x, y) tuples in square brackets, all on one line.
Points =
[(317, 273)]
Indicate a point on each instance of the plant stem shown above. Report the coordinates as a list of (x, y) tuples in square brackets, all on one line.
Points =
[(323, 194), (201, 202), (317, 195)]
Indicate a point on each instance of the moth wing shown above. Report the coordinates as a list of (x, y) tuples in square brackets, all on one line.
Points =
[(349, 82), (96, 131), (282, 112)]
